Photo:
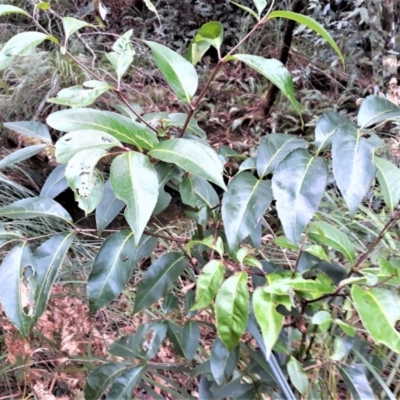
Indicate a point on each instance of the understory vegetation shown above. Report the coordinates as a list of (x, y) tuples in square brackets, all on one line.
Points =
[(199, 200)]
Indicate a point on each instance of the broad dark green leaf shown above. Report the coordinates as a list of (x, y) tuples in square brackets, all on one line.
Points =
[(309, 23), (297, 376), (22, 44), (146, 247), (379, 310), (111, 269), (208, 283), (191, 337), (177, 71), (100, 379), (376, 109), (78, 96), (298, 185), (273, 149), (122, 128), (55, 182), (222, 361), (274, 71), (108, 208), (84, 179), (212, 33), (48, 259), (175, 335), (33, 129), (170, 303), (389, 177), (352, 164), (8, 9), (356, 380), (243, 205), (71, 25), (191, 156), (21, 155), (231, 308), (270, 320), (328, 235), (17, 287), (35, 207), (123, 386), (135, 182), (158, 278), (326, 128)]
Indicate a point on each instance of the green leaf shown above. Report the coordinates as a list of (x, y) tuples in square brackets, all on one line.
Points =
[(175, 335), (17, 286), (212, 33), (376, 109), (108, 208), (317, 251), (342, 347), (71, 25), (297, 376), (273, 149), (326, 128), (243, 205), (177, 71), (22, 44), (86, 181), (327, 235), (191, 337), (231, 309), (270, 320), (78, 96), (158, 278), (124, 385), (356, 380), (352, 164), (222, 361), (118, 126), (260, 5), (100, 378), (152, 8), (323, 319), (191, 156), (196, 51), (197, 192), (111, 269), (35, 207), (135, 182), (55, 183), (21, 155), (309, 23), (298, 185), (389, 177), (346, 328), (43, 6), (274, 71), (48, 259), (379, 310), (8, 9), (208, 284), (33, 129), (247, 9), (74, 142)]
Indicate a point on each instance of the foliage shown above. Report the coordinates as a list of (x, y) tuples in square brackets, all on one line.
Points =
[(305, 320)]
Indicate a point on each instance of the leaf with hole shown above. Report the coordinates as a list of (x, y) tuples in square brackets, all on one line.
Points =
[(298, 185), (191, 156), (353, 168), (32, 129), (121, 128), (111, 269), (177, 71), (231, 309), (48, 260), (243, 205), (270, 320), (35, 207), (379, 310), (274, 71), (273, 149), (158, 278), (135, 182)]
